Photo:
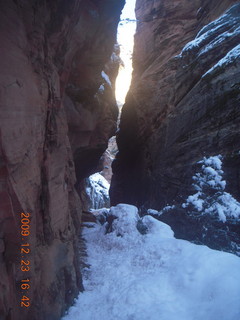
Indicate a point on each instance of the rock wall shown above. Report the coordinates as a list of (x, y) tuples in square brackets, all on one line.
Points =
[(183, 103), (57, 111)]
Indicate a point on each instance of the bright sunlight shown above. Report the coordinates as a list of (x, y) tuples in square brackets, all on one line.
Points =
[(126, 32)]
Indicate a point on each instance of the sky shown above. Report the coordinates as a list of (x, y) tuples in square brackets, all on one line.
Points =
[(125, 38)]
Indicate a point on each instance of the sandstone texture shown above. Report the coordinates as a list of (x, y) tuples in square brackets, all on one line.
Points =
[(105, 162), (183, 102), (57, 112)]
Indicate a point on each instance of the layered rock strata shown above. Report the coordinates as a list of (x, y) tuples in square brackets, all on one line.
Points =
[(183, 103), (57, 111)]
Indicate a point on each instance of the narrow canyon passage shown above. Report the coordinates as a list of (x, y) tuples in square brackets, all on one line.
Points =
[(165, 245), (98, 197), (173, 158)]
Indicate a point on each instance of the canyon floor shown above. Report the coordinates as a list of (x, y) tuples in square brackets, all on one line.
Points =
[(140, 271)]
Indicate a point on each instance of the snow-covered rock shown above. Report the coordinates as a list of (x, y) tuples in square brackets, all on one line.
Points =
[(97, 189), (154, 276), (126, 219), (106, 78)]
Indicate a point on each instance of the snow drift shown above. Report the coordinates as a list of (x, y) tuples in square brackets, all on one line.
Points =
[(151, 275)]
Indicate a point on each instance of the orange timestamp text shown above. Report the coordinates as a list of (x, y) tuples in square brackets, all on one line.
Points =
[(25, 263)]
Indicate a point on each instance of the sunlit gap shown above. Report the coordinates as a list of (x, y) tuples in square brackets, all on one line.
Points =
[(125, 38), (96, 186)]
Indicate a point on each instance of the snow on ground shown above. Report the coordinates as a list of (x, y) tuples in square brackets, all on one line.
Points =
[(153, 276)]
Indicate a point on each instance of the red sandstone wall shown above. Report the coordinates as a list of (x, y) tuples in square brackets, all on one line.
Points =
[(47, 48)]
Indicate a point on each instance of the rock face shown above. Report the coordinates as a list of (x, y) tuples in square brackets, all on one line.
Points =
[(105, 163), (57, 111), (183, 103)]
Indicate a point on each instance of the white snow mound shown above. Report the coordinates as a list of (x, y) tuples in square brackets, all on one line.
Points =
[(154, 276), (157, 227), (127, 219)]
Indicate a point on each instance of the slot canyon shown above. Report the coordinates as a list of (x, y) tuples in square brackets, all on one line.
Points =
[(59, 61)]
